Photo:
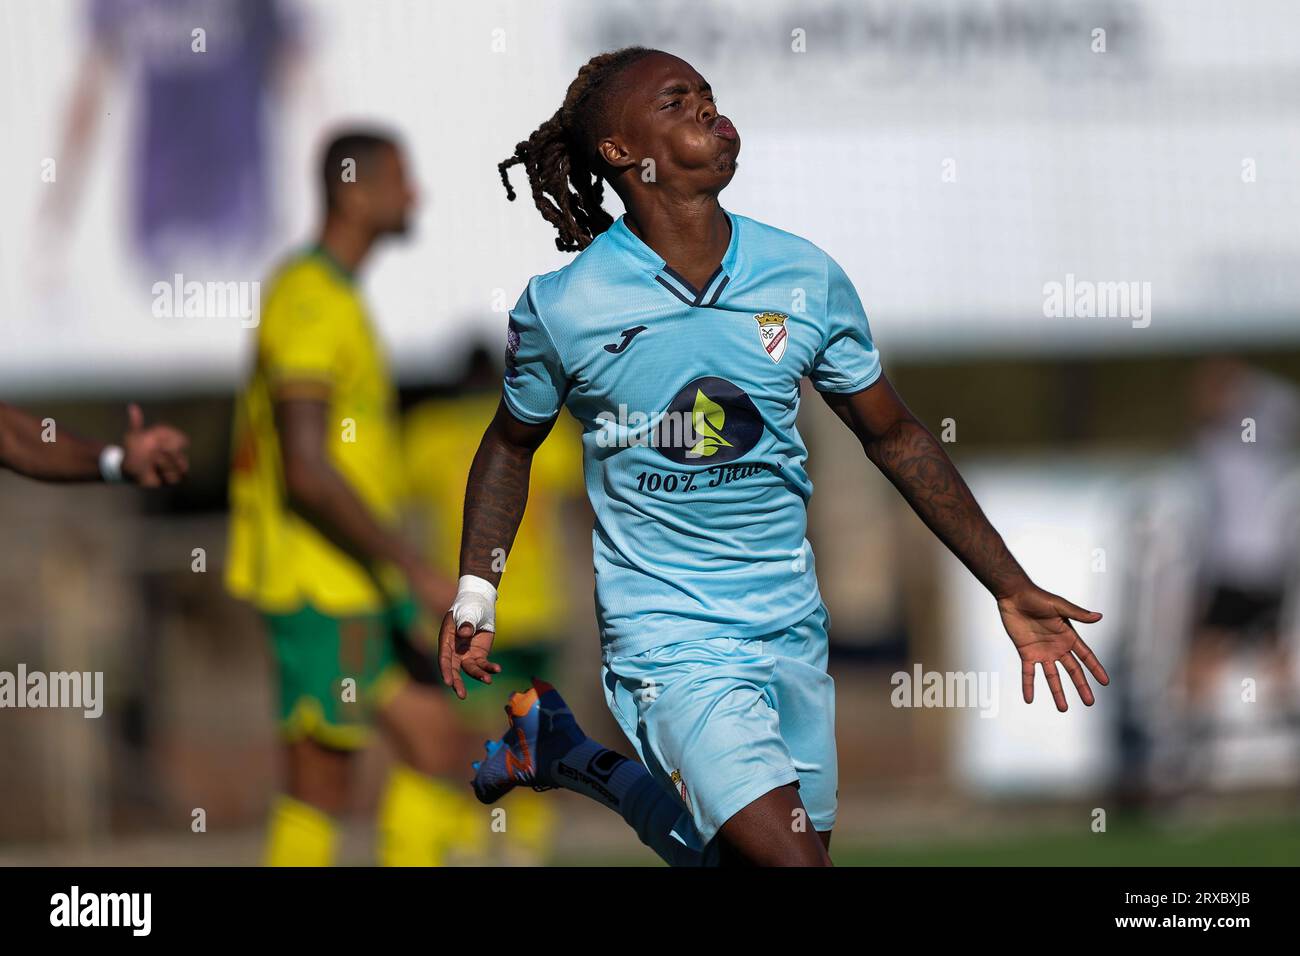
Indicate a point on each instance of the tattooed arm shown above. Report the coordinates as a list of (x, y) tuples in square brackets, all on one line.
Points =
[(1037, 621), (497, 492), (495, 497), (915, 462)]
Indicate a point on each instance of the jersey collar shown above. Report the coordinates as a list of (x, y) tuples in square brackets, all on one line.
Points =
[(320, 252), (664, 274)]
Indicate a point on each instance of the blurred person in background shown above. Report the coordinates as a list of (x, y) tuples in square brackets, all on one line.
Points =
[(148, 457), (201, 141), (441, 436), (315, 488), (1247, 426)]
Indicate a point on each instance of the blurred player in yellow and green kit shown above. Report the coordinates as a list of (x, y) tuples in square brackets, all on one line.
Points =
[(441, 437), (315, 491)]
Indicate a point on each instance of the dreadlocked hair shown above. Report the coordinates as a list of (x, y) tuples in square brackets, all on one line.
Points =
[(560, 158)]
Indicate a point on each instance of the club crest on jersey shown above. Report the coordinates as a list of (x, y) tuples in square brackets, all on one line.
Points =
[(680, 784), (773, 333)]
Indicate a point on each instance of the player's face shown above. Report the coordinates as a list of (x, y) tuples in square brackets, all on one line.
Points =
[(392, 195), (668, 114)]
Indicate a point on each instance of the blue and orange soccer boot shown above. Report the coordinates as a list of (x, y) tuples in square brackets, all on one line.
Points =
[(542, 730)]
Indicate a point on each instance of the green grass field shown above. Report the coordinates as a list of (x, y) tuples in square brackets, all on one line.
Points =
[(1266, 842)]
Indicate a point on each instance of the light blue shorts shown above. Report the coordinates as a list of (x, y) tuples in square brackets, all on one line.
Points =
[(722, 721)]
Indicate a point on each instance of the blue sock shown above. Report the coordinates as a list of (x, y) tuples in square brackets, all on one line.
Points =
[(626, 787)]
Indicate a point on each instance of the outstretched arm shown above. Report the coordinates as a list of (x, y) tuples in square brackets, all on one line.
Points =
[(1037, 621), (148, 456), (495, 497)]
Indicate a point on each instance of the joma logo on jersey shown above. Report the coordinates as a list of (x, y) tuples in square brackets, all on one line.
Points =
[(773, 333)]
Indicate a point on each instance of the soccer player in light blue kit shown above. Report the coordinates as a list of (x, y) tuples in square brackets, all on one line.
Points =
[(678, 338)]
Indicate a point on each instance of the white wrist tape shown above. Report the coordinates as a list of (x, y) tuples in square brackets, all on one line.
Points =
[(110, 463), (476, 604)]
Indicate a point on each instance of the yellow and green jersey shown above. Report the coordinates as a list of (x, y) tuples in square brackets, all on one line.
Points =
[(314, 331), (441, 438)]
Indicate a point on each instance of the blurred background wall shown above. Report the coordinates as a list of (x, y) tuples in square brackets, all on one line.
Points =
[(973, 165)]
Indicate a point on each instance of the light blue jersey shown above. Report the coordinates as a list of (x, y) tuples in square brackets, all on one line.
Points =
[(687, 400)]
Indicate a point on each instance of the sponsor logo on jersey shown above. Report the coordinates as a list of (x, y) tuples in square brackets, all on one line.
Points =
[(710, 421)]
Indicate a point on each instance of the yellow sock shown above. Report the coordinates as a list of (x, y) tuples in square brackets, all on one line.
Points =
[(419, 818), (530, 824), (300, 835), (471, 834)]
